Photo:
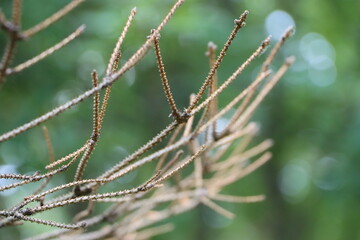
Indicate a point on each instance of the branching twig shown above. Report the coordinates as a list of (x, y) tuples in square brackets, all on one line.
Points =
[(239, 23), (220, 158), (47, 52), (52, 19)]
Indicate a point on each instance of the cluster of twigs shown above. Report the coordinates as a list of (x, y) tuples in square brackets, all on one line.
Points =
[(199, 143)]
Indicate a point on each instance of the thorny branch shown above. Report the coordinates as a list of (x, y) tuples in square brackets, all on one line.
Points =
[(132, 210)]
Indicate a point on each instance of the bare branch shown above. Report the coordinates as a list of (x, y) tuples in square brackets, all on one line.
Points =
[(137, 56), (52, 19), (47, 52), (239, 23)]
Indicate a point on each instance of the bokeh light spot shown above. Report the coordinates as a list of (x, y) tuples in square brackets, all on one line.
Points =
[(327, 173), (320, 57), (277, 23), (8, 169), (294, 180)]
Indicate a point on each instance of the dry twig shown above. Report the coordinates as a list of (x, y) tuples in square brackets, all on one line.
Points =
[(131, 210)]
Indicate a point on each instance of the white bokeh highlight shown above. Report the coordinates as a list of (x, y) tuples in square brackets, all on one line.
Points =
[(320, 56), (277, 22)]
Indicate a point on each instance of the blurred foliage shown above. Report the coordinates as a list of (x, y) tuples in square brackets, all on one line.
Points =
[(312, 183)]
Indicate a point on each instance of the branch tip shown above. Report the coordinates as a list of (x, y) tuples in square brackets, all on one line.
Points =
[(290, 31), (242, 19), (290, 60), (212, 45), (266, 42)]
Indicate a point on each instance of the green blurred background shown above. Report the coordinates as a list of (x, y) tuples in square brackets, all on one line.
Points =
[(312, 182)]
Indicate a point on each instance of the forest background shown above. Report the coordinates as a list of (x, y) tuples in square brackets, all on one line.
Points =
[(312, 183)]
